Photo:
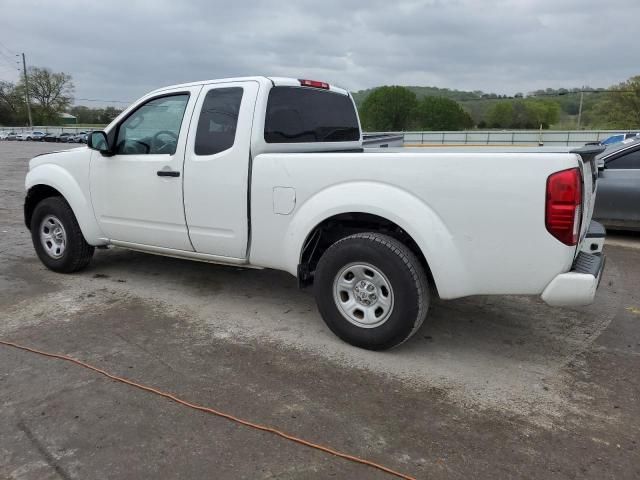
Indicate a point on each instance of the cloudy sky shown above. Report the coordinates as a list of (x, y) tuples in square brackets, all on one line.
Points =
[(118, 50)]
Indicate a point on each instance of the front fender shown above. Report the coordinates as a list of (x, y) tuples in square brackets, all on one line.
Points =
[(59, 178), (407, 211)]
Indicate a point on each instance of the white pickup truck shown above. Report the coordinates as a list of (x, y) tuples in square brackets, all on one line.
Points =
[(270, 173)]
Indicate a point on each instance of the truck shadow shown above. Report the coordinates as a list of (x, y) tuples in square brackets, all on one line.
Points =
[(513, 328)]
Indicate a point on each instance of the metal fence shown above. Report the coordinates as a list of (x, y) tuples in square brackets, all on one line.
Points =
[(52, 129), (469, 137), (508, 137), (382, 140)]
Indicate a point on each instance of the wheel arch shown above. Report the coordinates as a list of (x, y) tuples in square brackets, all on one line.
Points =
[(378, 206), (50, 180), (342, 225), (35, 195)]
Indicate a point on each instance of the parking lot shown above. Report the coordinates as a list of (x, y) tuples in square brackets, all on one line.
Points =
[(491, 387)]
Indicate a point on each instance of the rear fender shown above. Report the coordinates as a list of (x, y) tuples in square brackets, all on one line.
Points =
[(405, 210)]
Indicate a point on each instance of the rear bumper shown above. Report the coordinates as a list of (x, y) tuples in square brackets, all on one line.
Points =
[(577, 286)]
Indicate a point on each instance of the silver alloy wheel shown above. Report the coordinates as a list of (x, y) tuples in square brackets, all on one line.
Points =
[(53, 236), (363, 295)]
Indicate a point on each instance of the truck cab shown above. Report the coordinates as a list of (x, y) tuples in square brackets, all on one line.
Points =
[(190, 132)]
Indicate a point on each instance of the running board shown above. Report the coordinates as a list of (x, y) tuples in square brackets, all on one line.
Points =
[(184, 254)]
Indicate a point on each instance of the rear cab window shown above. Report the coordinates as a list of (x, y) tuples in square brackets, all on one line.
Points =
[(309, 115), (218, 121)]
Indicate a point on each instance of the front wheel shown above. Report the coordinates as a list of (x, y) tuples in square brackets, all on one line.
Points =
[(371, 291), (57, 237)]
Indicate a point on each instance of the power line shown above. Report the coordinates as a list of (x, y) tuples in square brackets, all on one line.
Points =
[(7, 49), (533, 95), (11, 52), (101, 100), (7, 69), (7, 60), (562, 94)]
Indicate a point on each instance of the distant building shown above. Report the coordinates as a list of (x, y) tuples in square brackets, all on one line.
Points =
[(67, 119)]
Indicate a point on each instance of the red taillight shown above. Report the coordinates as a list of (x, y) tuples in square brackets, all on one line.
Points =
[(564, 205), (314, 84)]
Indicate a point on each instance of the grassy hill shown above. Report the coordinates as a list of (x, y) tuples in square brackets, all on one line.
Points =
[(479, 103), (457, 95)]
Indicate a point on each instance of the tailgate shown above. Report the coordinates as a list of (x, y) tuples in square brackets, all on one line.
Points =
[(589, 170)]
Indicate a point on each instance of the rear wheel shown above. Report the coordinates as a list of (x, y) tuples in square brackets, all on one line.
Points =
[(371, 291), (57, 237)]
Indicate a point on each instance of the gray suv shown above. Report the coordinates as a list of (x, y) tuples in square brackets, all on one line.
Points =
[(618, 199)]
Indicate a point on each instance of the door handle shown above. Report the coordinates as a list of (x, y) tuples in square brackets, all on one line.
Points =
[(168, 173)]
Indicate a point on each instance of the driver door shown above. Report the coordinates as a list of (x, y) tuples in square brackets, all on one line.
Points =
[(137, 192)]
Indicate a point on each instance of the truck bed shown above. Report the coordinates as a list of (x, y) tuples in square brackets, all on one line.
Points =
[(478, 216)]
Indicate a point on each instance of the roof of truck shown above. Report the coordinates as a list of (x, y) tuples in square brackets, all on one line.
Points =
[(276, 81)]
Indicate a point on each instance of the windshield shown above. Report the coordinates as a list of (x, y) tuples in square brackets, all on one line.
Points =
[(616, 147)]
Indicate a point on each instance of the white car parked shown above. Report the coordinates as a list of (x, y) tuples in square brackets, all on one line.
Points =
[(30, 136), (270, 173)]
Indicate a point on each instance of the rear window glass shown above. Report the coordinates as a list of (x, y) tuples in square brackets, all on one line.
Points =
[(218, 121), (298, 115)]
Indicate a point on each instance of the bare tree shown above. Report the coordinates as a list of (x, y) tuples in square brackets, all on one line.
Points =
[(51, 91), (8, 96), (11, 103)]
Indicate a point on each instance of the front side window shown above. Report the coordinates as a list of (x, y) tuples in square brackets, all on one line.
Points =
[(218, 121), (301, 114), (153, 128), (630, 160)]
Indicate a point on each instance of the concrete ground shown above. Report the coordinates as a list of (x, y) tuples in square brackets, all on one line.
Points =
[(491, 387)]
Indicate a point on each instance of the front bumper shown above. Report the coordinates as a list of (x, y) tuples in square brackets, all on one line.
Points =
[(578, 286)]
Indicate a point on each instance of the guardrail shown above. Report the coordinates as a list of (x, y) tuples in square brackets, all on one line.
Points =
[(382, 140), (505, 137)]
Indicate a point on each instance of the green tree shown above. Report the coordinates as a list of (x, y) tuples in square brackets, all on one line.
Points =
[(389, 109), (94, 115), (527, 113), (620, 108), (440, 113), (51, 93), (500, 115), (108, 114), (541, 112), (83, 114)]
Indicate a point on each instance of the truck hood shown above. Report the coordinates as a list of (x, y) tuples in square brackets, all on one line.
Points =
[(59, 157)]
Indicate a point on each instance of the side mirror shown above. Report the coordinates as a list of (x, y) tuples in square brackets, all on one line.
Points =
[(98, 141), (601, 166)]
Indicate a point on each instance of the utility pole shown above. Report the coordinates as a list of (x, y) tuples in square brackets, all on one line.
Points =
[(580, 107), (26, 88)]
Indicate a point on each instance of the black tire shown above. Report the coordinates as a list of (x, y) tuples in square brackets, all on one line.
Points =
[(402, 269), (77, 252)]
